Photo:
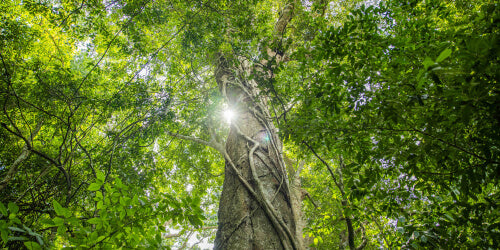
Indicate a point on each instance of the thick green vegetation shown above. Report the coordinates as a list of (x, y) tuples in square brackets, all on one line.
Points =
[(390, 107), (407, 94)]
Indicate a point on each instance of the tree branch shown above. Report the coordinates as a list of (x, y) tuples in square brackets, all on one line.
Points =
[(25, 154), (168, 236), (212, 143), (41, 154)]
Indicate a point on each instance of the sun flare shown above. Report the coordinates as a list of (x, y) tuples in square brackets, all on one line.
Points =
[(228, 115)]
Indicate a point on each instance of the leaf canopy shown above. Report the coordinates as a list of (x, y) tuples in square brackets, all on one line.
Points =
[(392, 105)]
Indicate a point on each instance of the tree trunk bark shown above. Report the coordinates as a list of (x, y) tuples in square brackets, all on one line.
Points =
[(255, 210)]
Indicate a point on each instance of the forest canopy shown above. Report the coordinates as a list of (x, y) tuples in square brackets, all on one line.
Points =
[(388, 112)]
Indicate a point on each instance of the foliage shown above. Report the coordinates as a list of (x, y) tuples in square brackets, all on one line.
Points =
[(87, 95), (407, 93), (393, 105)]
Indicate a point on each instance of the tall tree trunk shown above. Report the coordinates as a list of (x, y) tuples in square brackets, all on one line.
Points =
[(255, 210)]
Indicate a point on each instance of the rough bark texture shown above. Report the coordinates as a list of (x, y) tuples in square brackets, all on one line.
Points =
[(297, 197), (256, 207), (255, 210)]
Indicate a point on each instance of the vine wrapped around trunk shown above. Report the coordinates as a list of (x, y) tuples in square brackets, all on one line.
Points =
[(259, 213)]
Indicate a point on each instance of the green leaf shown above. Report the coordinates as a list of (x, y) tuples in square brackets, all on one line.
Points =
[(100, 205), (16, 229), (13, 208), (401, 220), (416, 234), (39, 239), (49, 222), (14, 219), (101, 238), (28, 230), (99, 196), (100, 176), (58, 221), (196, 202), (347, 211), (428, 62), (20, 238), (444, 54), (119, 183), (195, 221), (5, 236), (449, 217), (61, 230), (94, 187), (58, 208), (122, 214), (320, 239), (32, 245), (130, 212), (94, 220), (423, 238), (122, 201), (135, 199), (3, 209)]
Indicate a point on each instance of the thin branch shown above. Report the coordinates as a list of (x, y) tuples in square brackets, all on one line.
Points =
[(41, 154), (88, 156), (328, 167), (308, 195), (38, 108), (42, 174), (364, 240), (455, 146), (25, 154), (72, 12), (107, 49), (212, 143), (7, 74)]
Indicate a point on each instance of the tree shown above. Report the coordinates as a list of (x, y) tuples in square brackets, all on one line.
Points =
[(394, 90), (79, 130), (90, 92), (378, 117)]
